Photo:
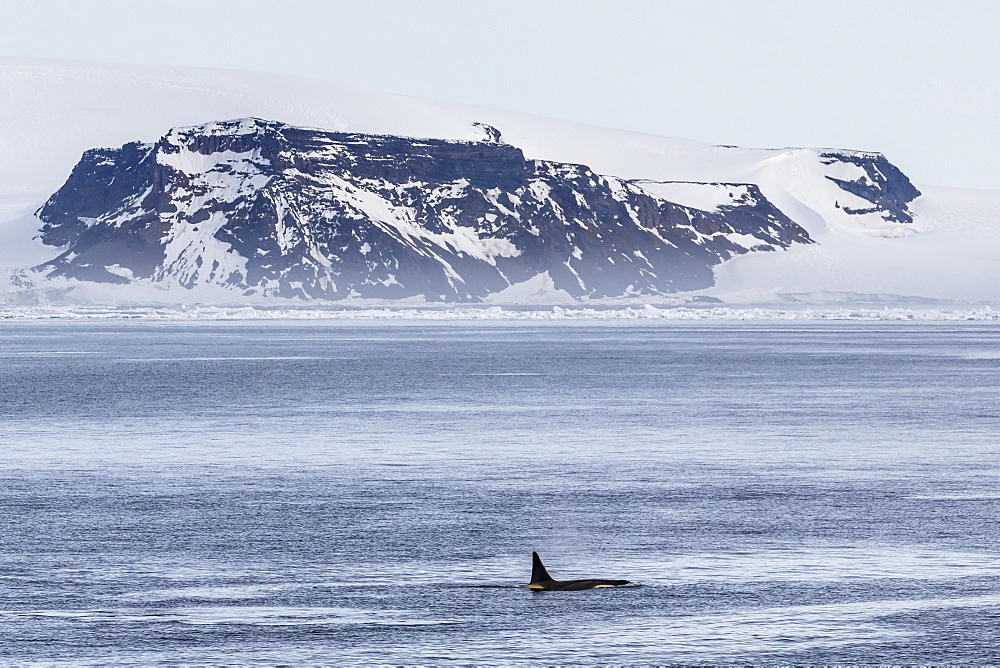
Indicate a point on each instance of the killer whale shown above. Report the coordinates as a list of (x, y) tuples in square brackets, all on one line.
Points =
[(542, 581)]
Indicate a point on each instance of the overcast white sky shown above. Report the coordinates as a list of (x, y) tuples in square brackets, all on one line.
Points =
[(916, 79)]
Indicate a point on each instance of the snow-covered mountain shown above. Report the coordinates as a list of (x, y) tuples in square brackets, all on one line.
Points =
[(361, 208), (274, 210)]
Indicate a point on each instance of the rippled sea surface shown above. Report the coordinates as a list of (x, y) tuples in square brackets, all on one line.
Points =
[(333, 493)]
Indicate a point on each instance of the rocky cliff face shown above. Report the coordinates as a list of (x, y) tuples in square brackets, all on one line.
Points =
[(270, 209)]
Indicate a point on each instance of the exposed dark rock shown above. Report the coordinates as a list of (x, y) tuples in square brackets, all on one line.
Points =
[(882, 184)]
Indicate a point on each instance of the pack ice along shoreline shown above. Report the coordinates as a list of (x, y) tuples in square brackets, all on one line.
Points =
[(645, 314)]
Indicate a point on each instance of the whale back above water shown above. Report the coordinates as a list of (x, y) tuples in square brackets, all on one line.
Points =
[(542, 581)]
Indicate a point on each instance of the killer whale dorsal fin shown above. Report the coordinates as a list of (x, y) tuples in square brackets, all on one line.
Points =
[(538, 572)]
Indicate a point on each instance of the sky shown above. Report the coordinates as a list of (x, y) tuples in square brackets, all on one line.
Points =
[(914, 79)]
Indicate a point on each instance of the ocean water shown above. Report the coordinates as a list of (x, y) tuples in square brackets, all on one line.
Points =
[(336, 492)]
